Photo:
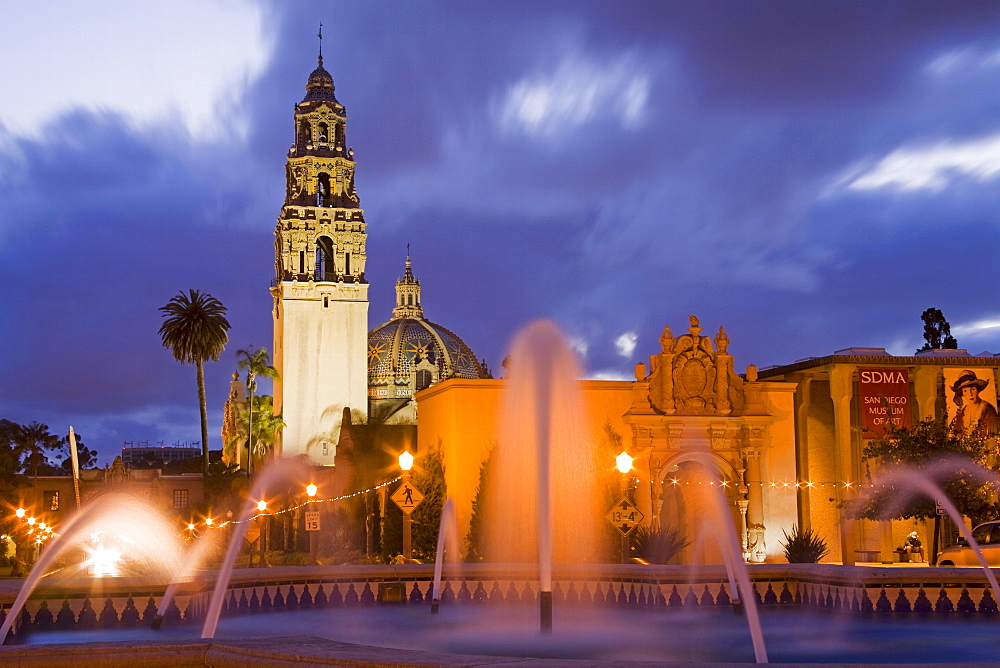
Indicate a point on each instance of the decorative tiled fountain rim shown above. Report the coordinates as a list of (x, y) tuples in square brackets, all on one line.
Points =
[(878, 591)]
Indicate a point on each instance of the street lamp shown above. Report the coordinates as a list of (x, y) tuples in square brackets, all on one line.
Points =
[(19, 513), (208, 521), (261, 507), (405, 464), (624, 464), (311, 490)]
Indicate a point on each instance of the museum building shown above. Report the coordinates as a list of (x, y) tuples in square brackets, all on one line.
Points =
[(784, 443)]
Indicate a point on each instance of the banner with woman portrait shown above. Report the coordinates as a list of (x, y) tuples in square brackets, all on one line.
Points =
[(971, 398)]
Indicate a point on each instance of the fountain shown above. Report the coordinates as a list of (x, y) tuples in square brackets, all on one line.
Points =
[(121, 535), (543, 447), (549, 545)]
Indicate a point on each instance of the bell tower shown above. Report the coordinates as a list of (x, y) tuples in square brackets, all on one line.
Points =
[(320, 291)]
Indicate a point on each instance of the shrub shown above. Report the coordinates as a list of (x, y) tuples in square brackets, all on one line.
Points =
[(660, 546), (803, 547)]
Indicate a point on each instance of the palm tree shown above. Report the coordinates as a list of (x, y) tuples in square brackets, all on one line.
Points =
[(30, 443), (257, 362), (195, 329), (262, 428)]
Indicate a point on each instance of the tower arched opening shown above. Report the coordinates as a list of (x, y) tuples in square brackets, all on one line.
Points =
[(323, 195), (325, 268)]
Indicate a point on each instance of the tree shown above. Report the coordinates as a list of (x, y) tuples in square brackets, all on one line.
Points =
[(257, 362), (950, 459), (31, 442), (86, 457), (261, 427), (195, 330), (476, 538), (937, 331), (10, 480)]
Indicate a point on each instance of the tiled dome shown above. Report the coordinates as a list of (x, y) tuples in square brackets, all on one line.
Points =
[(396, 347)]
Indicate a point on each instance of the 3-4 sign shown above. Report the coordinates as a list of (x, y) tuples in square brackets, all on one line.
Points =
[(625, 516)]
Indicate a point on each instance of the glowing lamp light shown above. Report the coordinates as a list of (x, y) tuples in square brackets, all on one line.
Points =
[(311, 490), (624, 462), (41, 525), (31, 521), (19, 512), (406, 460), (103, 561), (208, 521), (190, 527), (262, 505)]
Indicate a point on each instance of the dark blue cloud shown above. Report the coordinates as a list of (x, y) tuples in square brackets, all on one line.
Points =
[(723, 196)]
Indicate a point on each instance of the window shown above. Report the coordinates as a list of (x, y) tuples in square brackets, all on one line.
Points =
[(52, 500), (180, 499), (423, 379)]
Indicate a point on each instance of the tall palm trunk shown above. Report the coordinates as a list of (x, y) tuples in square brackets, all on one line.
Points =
[(204, 416)]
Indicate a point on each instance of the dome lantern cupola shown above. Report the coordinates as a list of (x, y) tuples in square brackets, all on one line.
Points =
[(320, 83), (408, 294)]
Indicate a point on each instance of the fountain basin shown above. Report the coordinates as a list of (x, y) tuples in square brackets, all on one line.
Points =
[(123, 602), (658, 613)]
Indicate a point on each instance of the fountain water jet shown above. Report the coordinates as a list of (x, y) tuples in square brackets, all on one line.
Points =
[(447, 539), (922, 481), (543, 446), (277, 471), (194, 558)]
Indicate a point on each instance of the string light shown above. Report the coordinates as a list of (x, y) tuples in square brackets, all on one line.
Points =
[(306, 503)]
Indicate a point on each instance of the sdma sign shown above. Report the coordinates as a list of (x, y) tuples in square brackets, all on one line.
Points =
[(884, 399)]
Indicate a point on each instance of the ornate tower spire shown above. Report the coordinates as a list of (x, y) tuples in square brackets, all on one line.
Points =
[(320, 291), (408, 294), (320, 35)]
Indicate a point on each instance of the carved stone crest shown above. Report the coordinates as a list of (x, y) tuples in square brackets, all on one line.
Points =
[(690, 377)]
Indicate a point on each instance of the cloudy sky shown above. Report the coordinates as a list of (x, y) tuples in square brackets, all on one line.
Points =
[(812, 175)]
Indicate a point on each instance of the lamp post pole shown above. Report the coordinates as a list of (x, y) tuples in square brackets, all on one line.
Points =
[(624, 464), (261, 507), (405, 464), (311, 492)]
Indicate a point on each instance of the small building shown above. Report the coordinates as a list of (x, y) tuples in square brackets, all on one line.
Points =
[(51, 499), (844, 399), (144, 454)]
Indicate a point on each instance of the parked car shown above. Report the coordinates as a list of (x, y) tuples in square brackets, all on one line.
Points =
[(987, 535)]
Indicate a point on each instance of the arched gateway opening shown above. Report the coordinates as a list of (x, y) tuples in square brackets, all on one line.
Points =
[(687, 479)]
